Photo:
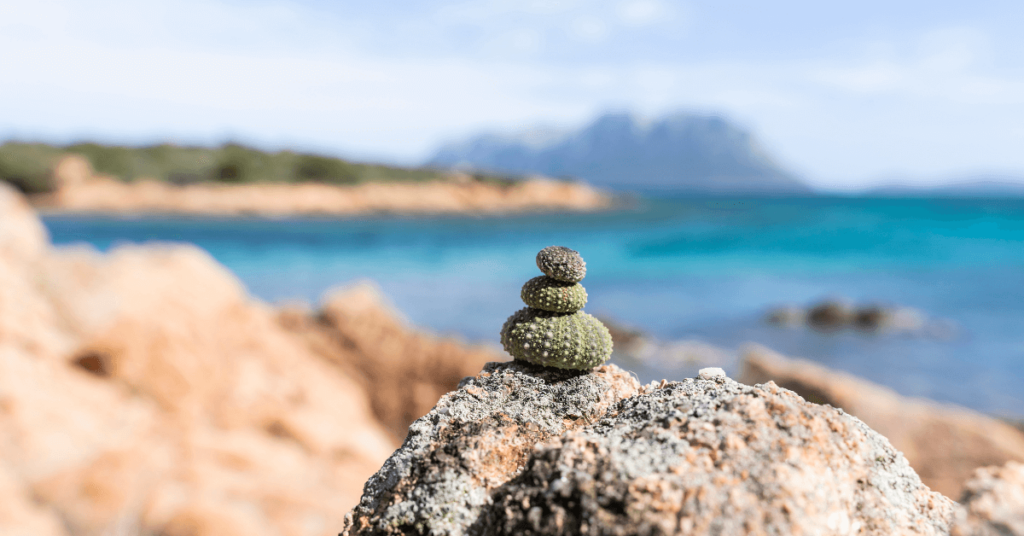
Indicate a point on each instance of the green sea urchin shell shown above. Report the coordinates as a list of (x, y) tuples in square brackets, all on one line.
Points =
[(550, 294), (567, 341), (562, 263)]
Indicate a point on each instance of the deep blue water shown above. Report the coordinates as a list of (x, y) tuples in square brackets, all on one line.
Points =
[(692, 268)]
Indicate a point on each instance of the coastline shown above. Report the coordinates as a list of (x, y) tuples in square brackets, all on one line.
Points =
[(80, 191)]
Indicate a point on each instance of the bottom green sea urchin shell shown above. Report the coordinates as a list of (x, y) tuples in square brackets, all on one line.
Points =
[(567, 341), (553, 295)]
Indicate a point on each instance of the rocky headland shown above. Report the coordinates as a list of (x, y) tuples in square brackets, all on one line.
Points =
[(80, 190)]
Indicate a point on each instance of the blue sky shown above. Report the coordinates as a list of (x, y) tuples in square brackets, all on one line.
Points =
[(849, 94)]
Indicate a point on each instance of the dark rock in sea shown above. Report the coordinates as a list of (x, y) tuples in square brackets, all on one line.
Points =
[(521, 449), (830, 315), (834, 315)]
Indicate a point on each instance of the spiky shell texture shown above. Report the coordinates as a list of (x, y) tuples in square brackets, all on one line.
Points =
[(562, 263), (549, 294), (562, 340)]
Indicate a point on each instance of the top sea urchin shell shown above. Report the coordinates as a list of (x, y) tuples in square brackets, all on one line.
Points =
[(562, 263)]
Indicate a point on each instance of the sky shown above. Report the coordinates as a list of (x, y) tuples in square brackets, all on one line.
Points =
[(846, 94)]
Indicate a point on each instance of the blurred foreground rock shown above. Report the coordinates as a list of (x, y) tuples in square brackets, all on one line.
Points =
[(526, 450), (944, 443), (993, 503), (143, 392), (404, 371)]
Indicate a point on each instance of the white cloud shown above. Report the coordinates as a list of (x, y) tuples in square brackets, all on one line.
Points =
[(643, 12), (589, 29), (942, 64)]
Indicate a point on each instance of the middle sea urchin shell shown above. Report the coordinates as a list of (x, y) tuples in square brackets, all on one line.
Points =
[(550, 294)]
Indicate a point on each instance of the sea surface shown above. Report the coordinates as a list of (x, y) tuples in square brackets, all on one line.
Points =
[(704, 269)]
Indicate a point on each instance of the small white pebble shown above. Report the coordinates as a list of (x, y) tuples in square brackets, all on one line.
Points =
[(711, 373)]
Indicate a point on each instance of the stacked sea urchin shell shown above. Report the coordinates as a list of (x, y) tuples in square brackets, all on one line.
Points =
[(552, 330)]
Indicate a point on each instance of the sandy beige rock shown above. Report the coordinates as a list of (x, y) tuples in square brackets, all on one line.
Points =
[(944, 443), (142, 391), (22, 235), (20, 516), (79, 190), (992, 503), (405, 371)]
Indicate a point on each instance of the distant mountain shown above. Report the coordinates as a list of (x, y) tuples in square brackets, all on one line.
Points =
[(975, 186), (679, 153)]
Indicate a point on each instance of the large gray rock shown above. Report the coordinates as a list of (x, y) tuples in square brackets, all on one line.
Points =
[(526, 450)]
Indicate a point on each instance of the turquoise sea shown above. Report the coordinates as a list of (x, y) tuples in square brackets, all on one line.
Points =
[(704, 269)]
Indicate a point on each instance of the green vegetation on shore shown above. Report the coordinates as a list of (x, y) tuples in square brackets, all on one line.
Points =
[(29, 166)]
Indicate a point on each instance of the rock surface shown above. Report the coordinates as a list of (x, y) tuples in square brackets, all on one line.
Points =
[(993, 503), (944, 443), (526, 450), (79, 190)]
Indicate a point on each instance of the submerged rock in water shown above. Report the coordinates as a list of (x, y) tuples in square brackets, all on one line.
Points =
[(834, 315), (521, 449)]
